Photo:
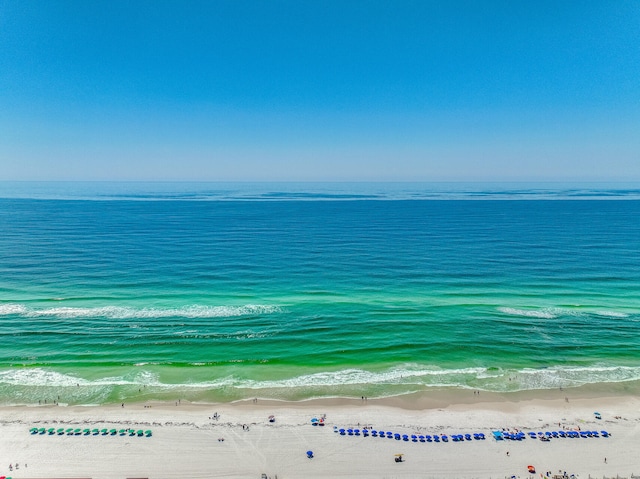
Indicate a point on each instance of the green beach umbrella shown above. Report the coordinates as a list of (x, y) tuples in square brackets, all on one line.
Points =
[(148, 432)]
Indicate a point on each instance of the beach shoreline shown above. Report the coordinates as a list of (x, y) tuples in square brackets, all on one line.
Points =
[(187, 438)]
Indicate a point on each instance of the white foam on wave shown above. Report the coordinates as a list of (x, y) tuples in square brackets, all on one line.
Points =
[(412, 376), (45, 378), (124, 312), (612, 314), (529, 313), (12, 308), (573, 376), (407, 375)]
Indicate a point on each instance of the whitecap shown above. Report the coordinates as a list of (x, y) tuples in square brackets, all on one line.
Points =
[(124, 312), (529, 313)]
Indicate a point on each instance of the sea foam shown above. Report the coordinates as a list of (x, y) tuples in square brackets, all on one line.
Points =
[(124, 312)]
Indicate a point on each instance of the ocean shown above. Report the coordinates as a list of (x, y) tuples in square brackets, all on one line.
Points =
[(121, 292)]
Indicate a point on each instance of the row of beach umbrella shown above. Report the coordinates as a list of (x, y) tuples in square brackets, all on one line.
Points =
[(409, 437), (547, 435), (52, 431)]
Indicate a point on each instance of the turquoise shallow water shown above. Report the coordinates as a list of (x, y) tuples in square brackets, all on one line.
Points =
[(122, 292)]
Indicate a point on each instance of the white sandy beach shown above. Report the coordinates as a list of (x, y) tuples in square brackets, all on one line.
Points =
[(186, 441)]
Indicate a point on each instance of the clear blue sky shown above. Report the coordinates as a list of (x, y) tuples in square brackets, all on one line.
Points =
[(319, 90)]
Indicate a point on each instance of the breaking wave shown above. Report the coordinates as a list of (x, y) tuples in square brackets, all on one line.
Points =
[(124, 312)]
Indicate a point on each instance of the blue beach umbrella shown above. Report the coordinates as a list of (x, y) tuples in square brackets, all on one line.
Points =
[(309, 454)]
